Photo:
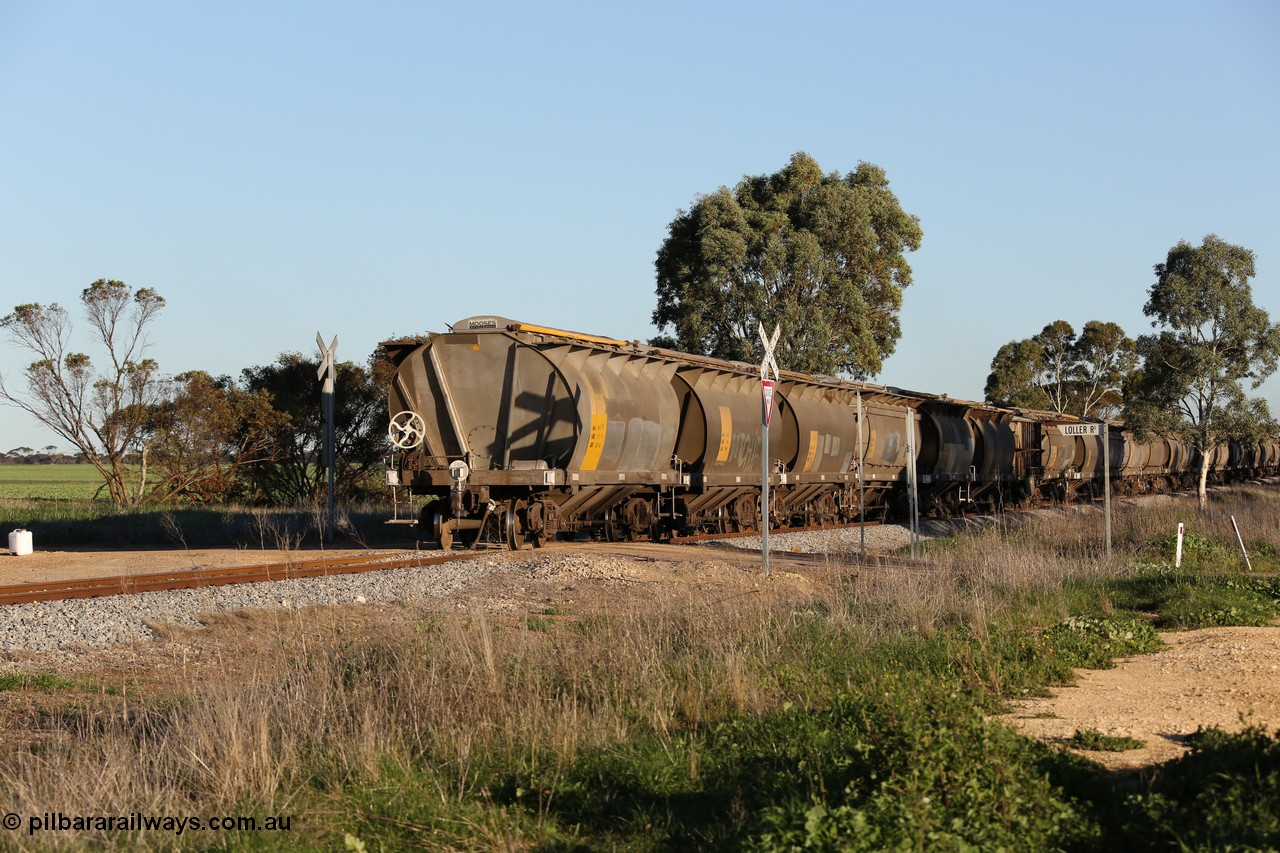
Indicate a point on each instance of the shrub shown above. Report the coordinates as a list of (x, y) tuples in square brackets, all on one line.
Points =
[(1096, 641), (1223, 795)]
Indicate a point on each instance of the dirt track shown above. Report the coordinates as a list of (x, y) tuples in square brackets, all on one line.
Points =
[(1226, 677)]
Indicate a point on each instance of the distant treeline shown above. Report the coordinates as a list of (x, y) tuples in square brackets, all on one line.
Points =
[(48, 456)]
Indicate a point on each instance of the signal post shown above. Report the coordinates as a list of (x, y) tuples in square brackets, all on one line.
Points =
[(1098, 428), (327, 373)]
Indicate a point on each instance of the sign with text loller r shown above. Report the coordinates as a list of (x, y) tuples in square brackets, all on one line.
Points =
[(766, 390)]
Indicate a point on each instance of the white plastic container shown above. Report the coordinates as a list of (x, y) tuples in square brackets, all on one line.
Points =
[(20, 543)]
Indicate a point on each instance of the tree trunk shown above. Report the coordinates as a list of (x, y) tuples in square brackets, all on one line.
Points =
[(1202, 487), (142, 477)]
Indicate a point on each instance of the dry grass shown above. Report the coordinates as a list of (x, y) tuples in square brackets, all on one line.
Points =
[(279, 713), (283, 706)]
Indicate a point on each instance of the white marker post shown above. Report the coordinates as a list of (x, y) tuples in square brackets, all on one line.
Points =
[(327, 373), (768, 381), (1240, 539)]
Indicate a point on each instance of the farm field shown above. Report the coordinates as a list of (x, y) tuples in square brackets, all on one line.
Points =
[(61, 503), (49, 482)]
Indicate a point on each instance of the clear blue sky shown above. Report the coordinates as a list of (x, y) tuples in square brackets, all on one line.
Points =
[(377, 169)]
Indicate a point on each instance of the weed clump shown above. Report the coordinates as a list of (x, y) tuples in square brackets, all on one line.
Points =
[(1095, 741), (1199, 553), (1186, 599), (1094, 642), (922, 768)]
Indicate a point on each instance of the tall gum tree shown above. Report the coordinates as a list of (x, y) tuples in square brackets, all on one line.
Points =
[(1210, 339), (100, 407), (824, 255)]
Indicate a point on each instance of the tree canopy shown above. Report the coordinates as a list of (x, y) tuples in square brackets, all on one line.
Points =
[(297, 473), (197, 443), (821, 254), (1060, 372), (1210, 339)]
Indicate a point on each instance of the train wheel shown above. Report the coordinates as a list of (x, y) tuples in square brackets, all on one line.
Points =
[(535, 524), (442, 531), (511, 525), (637, 519), (746, 513)]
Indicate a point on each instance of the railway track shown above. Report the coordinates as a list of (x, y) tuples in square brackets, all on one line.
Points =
[(58, 590), (111, 585)]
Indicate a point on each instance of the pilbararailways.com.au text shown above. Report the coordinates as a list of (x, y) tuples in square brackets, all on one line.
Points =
[(136, 821)]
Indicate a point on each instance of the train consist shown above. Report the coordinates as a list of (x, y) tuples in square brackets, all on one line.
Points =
[(525, 433)]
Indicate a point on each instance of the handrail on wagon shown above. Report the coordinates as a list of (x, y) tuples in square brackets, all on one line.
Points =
[(561, 333)]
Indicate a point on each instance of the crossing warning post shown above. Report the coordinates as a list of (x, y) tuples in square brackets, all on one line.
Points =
[(768, 382)]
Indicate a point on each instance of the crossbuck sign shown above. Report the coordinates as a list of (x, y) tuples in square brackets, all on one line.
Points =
[(768, 371), (768, 379)]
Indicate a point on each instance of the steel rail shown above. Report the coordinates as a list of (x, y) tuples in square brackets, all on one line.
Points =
[(59, 590)]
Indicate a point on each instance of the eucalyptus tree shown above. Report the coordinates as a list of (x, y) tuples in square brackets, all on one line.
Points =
[(1059, 371), (824, 255), (1210, 340), (99, 406)]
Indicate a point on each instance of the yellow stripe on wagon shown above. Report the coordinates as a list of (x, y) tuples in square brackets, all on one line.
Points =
[(726, 434), (813, 451), (599, 429)]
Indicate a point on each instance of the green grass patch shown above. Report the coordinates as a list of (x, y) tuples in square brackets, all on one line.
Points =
[(1095, 741), (45, 682), (870, 771), (1185, 599)]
